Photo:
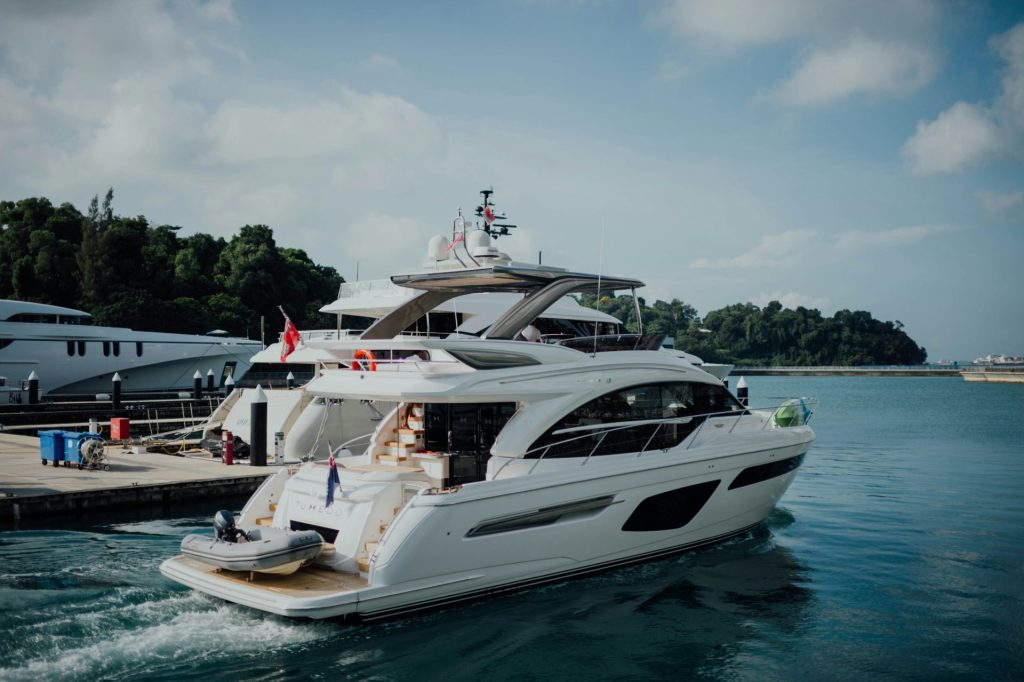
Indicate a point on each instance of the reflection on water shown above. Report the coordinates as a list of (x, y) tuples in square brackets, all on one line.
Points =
[(898, 552)]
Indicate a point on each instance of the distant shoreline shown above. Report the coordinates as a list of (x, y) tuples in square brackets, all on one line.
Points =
[(848, 371)]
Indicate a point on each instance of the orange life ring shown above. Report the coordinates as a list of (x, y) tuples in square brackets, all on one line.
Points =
[(368, 356)]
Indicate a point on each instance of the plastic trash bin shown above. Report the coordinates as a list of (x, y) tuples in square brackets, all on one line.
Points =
[(51, 447)]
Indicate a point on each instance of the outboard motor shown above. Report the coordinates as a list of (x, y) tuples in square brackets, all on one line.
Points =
[(224, 527)]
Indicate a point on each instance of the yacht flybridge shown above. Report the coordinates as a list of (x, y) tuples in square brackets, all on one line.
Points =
[(505, 463)]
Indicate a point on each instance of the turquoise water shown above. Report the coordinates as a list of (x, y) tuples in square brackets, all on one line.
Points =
[(898, 552)]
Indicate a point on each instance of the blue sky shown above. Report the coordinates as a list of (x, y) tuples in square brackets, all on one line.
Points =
[(863, 155)]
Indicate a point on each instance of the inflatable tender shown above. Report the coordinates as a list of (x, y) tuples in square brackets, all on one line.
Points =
[(264, 550)]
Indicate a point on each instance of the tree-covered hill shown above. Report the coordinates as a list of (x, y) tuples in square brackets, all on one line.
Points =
[(745, 334), (128, 272)]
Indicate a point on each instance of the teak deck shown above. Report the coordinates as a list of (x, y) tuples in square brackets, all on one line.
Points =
[(310, 581)]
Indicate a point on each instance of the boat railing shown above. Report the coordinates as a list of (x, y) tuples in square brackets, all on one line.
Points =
[(792, 412)]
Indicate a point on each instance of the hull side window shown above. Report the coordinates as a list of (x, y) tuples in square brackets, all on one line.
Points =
[(670, 510), (763, 472)]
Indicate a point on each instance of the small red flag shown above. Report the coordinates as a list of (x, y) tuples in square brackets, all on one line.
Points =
[(290, 339), (488, 214)]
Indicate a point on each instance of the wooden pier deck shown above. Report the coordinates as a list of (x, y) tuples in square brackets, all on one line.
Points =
[(148, 480)]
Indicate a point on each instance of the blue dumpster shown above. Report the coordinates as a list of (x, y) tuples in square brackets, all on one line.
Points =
[(72, 445), (51, 447)]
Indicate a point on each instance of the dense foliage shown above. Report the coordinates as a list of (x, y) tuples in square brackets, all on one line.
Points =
[(745, 334), (127, 272)]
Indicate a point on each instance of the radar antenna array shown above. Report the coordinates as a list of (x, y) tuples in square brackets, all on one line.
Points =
[(491, 218)]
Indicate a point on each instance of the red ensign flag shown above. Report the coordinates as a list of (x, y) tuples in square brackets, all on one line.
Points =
[(290, 339)]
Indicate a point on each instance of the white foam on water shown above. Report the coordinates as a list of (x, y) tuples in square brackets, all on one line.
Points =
[(157, 527), (182, 628)]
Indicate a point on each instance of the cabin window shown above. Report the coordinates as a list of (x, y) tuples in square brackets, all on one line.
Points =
[(555, 329), (466, 431), (138, 349), (5, 342), (106, 348), (435, 324), (637, 403), (71, 348), (763, 472), (229, 371), (35, 318), (117, 348), (81, 347), (672, 509)]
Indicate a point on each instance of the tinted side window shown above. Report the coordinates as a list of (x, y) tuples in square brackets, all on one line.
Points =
[(672, 509), (638, 403)]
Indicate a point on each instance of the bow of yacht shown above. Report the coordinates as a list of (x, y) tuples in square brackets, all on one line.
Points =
[(507, 463)]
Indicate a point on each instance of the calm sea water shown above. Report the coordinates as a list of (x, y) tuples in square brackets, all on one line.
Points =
[(898, 553)]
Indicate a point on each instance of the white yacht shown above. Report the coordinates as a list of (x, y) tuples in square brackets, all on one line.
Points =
[(505, 463), (71, 356), (307, 422)]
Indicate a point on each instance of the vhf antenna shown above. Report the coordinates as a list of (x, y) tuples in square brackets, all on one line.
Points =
[(486, 211)]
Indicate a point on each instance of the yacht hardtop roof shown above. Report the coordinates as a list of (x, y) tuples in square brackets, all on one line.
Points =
[(542, 286), (518, 277), (10, 307)]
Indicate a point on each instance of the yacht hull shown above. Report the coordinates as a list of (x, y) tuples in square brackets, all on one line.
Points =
[(440, 548)]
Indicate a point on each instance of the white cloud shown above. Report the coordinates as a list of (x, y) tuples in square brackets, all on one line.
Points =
[(352, 124), (998, 203), (968, 135), (382, 62), (778, 249), (791, 300), (862, 65), (962, 136), (379, 241), (736, 24), (875, 47), (858, 240), (733, 24), (156, 100)]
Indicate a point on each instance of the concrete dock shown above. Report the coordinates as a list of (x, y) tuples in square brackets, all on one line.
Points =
[(148, 480)]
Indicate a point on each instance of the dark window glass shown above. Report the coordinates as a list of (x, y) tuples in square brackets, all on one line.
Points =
[(35, 318), (71, 348), (763, 472), (466, 431), (138, 348), (81, 347), (638, 403), (117, 348), (670, 510), (556, 329), (106, 348), (6, 342), (436, 324)]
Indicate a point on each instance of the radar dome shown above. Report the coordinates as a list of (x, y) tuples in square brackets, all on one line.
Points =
[(477, 239), (437, 248)]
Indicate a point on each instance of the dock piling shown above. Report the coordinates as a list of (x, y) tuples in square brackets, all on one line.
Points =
[(197, 385), (33, 388), (116, 399), (209, 380), (258, 429)]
